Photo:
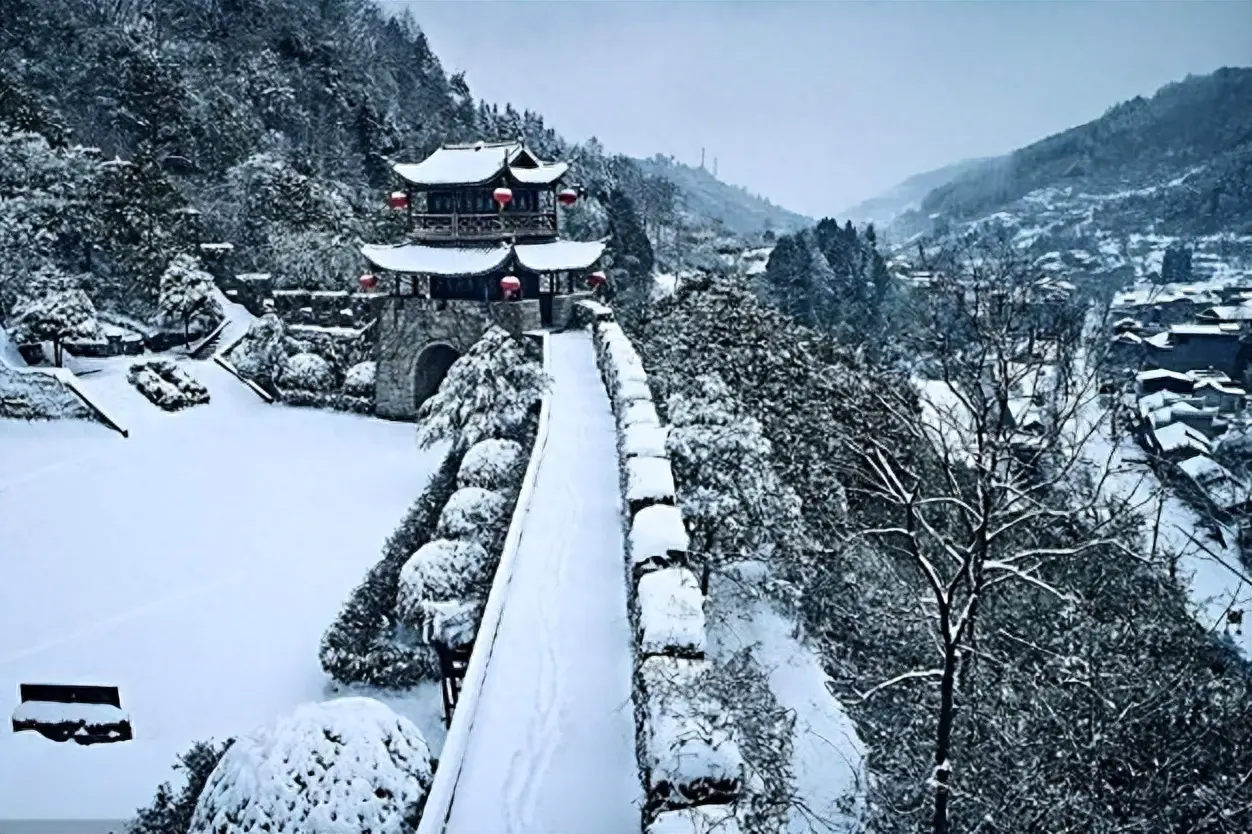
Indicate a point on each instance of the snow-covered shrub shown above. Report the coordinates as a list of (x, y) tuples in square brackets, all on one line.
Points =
[(361, 645), (442, 570), (700, 819), (648, 481), (307, 372), (689, 751), (53, 309), (489, 392), (37, 396), (671, 614), (475, 514), (654, 531), (452, 624), (159, 391), (328, 399), (262, 353), (494, 464), (347, 765), (644, 440), (188, 296), (359, 380), (170, 811)]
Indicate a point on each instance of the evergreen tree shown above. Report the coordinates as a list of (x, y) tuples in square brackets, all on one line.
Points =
[(1176, 264), (54, 310), (187, 295), (630, 258)]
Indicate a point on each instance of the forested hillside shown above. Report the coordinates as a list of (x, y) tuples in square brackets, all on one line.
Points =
[(266, 124), (703, 195), (1179, 162)]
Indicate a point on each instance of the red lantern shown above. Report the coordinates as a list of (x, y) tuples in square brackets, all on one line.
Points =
[(503, 196), (567, 197), (369, 281), (509, 285), (597, 279), (398, 200)]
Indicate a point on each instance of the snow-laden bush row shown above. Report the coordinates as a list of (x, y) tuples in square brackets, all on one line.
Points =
[(437, 568), (167, 385), (347, 765), (317, 368), (687, 747)]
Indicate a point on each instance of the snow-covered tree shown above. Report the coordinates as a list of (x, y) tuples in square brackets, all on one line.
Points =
[(359, 380), (307, 372), (54, 311), (188, 295), (488, 392), (347, 765), (442, 570), (732, 498), (262, 353), (493, 464)]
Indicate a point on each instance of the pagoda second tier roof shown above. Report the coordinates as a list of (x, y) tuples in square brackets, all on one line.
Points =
[(479, 164), (415, 258)]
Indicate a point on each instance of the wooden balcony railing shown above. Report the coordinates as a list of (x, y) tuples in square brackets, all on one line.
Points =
[(494, 226)]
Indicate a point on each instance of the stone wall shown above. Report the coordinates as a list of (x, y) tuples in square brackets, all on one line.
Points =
[(411, 330), (563, 308)]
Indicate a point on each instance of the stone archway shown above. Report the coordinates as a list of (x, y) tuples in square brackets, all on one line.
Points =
[(429, 369)]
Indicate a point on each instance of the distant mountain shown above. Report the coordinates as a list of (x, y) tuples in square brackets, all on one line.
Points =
[(1178, 163), (907, 195), (705, 196)]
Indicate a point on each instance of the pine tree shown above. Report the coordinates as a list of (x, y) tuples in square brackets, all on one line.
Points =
[(55, 310)]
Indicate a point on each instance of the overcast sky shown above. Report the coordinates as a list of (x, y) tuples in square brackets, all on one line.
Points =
[(818, 105)]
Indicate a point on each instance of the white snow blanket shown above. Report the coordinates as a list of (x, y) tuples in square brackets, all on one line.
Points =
[(195, 565), (649, 479), (339, 767), (689, 741), (644, 440), (671, 613), (493, 464), (633, 387), (441, 570), (52, 712), (702, 819), (654, 531), (552, 745)]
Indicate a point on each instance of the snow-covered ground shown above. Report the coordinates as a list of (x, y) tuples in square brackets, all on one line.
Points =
[(195, 565), (552, 744)]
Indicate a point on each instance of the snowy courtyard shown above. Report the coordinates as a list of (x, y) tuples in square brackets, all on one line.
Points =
[(195, 565)]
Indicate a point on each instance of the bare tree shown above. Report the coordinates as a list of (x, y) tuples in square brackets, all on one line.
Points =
[(994, 486)]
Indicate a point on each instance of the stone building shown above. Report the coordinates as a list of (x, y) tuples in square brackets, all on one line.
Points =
[(484, 248)]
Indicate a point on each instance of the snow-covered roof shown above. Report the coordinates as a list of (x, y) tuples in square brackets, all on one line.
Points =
[(480, 163), (1160, 340), (559, 255), (460, 165), (1231, 312), (539, 175), (1178, 436), (1229, 329), (1204, 470), (1161, 373), (436, 260), (1219, 387)]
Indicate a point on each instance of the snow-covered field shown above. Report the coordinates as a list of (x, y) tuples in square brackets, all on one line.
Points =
[(552, 743), (195, 565)]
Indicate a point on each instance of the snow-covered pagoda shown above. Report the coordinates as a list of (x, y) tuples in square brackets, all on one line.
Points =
[(483, 247)]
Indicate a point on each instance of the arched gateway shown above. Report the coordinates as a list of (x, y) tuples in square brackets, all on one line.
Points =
[(429, 369)]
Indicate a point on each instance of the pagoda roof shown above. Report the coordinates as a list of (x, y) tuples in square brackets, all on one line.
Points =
[(479, 164), (437, 260), (416, 258)]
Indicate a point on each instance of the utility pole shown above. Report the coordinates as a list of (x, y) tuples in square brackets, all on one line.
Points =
[(702, 159), (715, 166)]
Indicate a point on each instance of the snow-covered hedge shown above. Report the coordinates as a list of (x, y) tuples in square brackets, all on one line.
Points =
[(345, 765), (494, 464), (307, 372), (453, 624), (359, 380), (167, 385), (361, 646), (37, 396), (671, 614), (443, 570), (688, 744), (477, 515)]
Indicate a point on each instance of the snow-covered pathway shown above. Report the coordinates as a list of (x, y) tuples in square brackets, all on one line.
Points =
[(195, 565), (552, 745)]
